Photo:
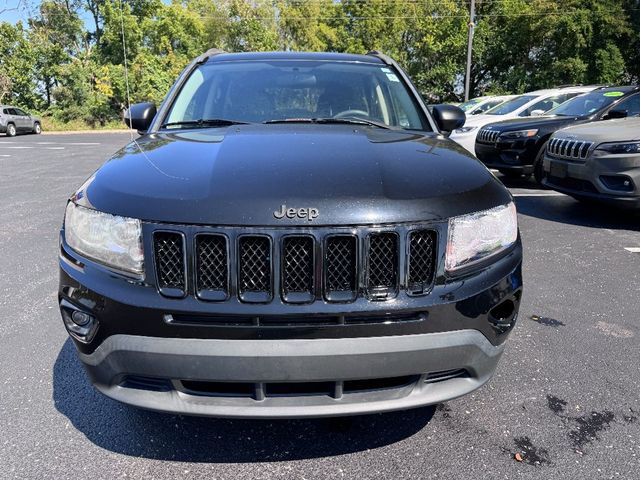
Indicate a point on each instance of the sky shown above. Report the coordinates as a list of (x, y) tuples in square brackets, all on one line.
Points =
[(14, 10)]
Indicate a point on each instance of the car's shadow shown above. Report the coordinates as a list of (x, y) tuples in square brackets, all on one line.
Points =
[(130, 431), (565, 209)]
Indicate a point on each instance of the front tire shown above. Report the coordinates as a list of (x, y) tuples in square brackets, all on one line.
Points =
[(538, 171), (37, 129), (11, 130)]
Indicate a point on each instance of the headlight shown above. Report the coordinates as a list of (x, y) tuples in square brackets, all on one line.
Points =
[(479, 235), (465, 129), (629, 147), (519, 134), (109, 239)]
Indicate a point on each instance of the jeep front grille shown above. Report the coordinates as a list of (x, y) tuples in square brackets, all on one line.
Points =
[(254, 283), (341, 268), (212, 267), (382, 265), (422, 260), (256, 265), (488, 136), (572, 150), (298, 269), (170, 263)]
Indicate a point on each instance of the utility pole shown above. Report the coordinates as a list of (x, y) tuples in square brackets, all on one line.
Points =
[(472, 26)]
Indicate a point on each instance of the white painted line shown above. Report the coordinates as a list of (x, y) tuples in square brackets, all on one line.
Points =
[(1, 155), (548, 194), (52, 143), (18, 148), (54, 148), (632, 249)]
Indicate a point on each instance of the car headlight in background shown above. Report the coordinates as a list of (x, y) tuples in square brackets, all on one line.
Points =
[(465, 129), (110, 239), (627, 147), (519, 134), (479, 235)]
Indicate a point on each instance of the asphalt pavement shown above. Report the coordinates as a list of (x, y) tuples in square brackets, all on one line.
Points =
[(565, 401)]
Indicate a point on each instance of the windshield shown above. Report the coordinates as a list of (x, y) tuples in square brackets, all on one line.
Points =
[(588, 103), (511, 105), (469, 104), (261, 91)]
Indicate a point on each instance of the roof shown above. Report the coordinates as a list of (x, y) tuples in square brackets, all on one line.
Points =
[(336, 57)]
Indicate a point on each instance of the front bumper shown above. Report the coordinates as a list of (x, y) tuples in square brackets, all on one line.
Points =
[(449, 345), (588, 180), (324, 366), (516, 156)]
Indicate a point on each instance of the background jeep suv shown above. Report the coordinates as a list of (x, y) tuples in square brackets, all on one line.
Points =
[(14, 120)]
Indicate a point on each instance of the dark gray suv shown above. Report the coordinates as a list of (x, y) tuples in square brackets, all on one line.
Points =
[(14, 120)]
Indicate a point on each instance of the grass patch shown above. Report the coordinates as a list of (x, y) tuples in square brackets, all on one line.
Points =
[(50, 124)]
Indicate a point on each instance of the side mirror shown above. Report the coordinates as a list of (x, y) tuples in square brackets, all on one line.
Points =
[(537, 113), (448, 118), (139, 116), (615, 113)]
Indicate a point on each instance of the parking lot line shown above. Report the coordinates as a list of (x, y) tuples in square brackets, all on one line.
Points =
[(632, 249), (538, 194), (51, 143)]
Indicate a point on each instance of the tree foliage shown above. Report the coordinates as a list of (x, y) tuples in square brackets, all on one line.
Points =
[(68, 59)]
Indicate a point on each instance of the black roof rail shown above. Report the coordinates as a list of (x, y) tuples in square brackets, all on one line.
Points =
[(212, 52), (385, 58)]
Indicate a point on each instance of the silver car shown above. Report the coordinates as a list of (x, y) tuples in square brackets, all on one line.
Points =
[(14, 120), (597, 161)]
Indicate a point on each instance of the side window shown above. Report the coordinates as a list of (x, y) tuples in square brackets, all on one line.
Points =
[(487, 106), (20, 112), (631, 105), (12, 111), (5, 111), (547, 104)]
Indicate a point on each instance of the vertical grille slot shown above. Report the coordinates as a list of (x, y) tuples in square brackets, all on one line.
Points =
[(422, 261), (254, 282), (341, 268), (169, 255), (382, 265), (572, 150), (212, 267), (298, 268)]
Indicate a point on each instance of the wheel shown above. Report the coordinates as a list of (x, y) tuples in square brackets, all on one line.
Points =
[(11, 130), (37, 129), (538, 171)]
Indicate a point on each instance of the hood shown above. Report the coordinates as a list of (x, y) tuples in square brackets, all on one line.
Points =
[(241, 175), (547, 122), (622, 130)]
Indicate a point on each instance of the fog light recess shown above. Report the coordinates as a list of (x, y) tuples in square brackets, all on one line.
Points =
[(80, 324)]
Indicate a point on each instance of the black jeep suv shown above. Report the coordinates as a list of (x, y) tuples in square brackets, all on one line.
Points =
[(516, 147), (292, 235)]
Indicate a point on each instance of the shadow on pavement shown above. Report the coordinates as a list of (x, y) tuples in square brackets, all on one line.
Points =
[(130, 431), (565, 209)]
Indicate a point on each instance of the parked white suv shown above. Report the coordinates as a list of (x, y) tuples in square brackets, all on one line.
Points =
[(14, 120), (529, 104)]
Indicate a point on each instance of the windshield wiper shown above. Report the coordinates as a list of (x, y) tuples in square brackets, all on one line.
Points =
[(204, 122), (329, 120)]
